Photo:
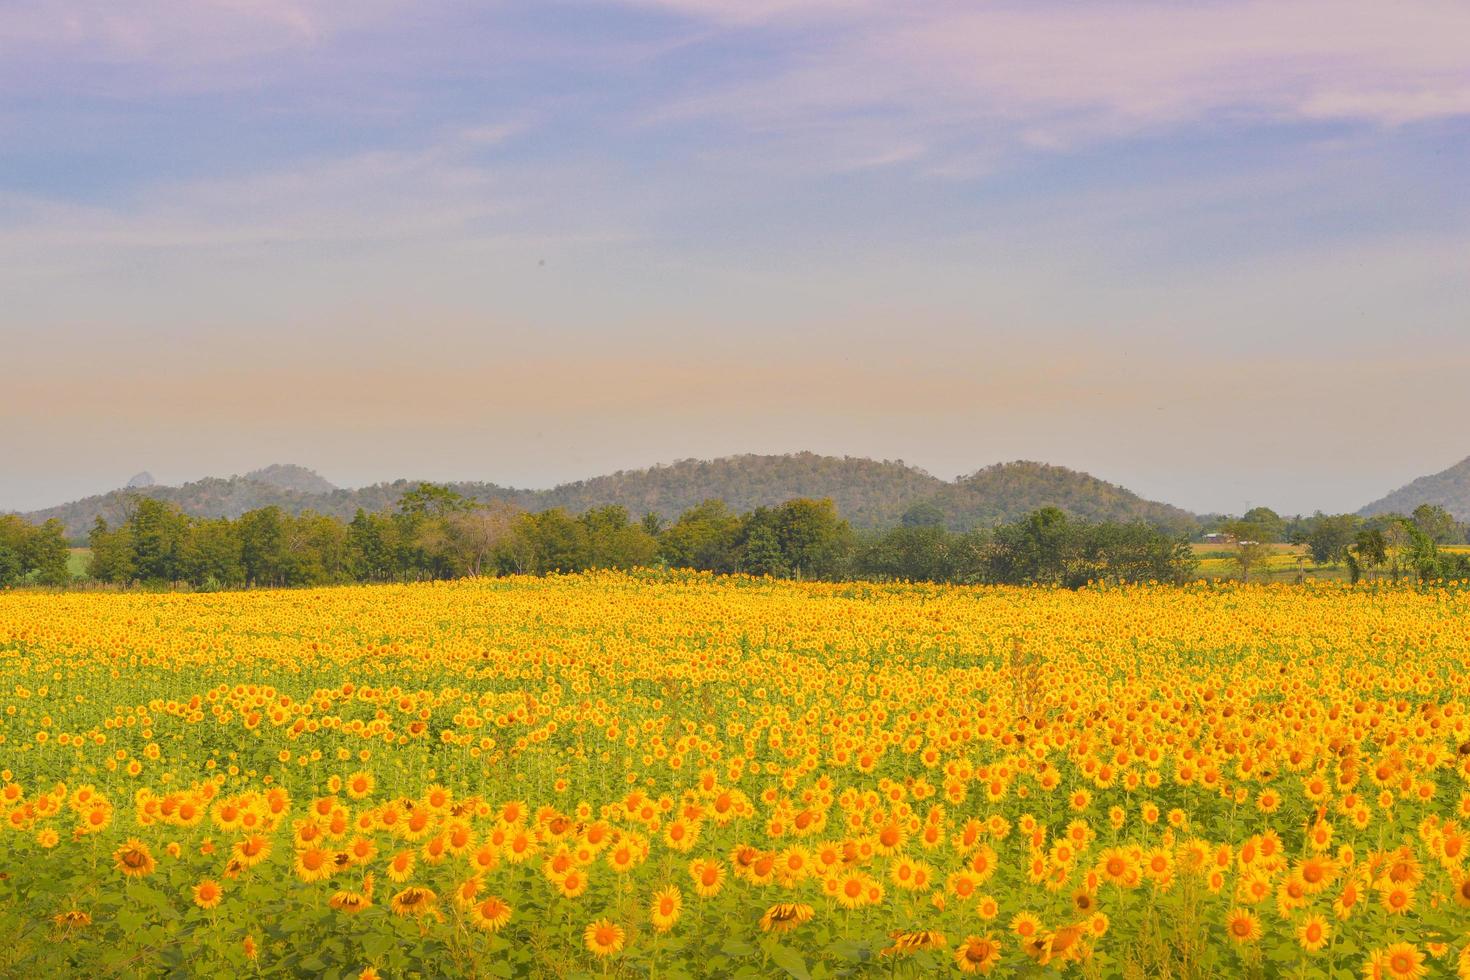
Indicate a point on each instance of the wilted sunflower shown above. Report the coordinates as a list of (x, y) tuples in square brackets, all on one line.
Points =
[(134, 859), (977, 954), (785, 916), (906, 942), (349, 902), (414, 901), (72, 919)]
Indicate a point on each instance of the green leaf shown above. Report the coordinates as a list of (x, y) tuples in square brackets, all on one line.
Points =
[(130, 919), (789, 960), (377, 945)]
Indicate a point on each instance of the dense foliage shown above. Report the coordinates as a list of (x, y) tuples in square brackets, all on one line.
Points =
[(690, 775), (434, 533), (32, 553)]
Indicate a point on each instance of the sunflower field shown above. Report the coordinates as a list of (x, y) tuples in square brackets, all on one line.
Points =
[(671, 775)]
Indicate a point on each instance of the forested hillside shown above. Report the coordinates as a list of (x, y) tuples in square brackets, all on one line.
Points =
[(868, 493), (1449, 489), (1008, 491)]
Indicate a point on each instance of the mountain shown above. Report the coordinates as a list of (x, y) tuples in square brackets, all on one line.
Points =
[(1008, 491), (288, 476), (144, 479), (869, 493), (1449, 488)]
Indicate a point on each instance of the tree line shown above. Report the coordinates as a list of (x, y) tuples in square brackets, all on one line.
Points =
[(1396, 546), (34, 553), (436, 533)]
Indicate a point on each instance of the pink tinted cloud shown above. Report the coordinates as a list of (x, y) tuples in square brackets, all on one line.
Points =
[(1056, 74), (178, 32)]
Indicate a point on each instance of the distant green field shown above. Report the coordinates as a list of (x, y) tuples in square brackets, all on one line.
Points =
[(76, 561)]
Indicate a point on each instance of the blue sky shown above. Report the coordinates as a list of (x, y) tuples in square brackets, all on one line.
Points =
[(1217, 252)]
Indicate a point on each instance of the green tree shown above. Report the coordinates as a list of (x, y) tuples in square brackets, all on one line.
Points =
[(211, 556), (263, 546), (761, 553), (1330, 536), (704, 537), (551, 541), (1370, 549), (1033, 550), (1437, 524), (370, 547), (112, 553), (10, 570), (1263, 524), (925, 513), (14, 533), (613, 541), (158, 531), (46, 555), (813, 538)]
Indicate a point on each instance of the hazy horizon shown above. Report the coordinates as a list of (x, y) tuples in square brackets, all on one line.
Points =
[(1217, 254), (355, 483)]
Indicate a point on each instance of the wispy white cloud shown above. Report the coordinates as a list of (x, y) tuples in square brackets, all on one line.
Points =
[(1050, 76), (177, 31)]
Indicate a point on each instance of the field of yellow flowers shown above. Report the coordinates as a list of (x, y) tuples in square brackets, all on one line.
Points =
[(676, 776)]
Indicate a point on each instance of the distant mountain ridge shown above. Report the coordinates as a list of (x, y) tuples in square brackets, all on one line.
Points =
[(289, 476), (868, 493), (1449, 489)]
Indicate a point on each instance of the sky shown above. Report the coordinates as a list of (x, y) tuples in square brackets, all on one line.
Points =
[(1217, 252)]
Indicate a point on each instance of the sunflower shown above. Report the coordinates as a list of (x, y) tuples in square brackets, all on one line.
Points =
[(708, 876), (573, 884), (491, 913), (134, 859), (400, 867), (785, 916), (349, 902), (977, 954), (910, 875), (207, 894), (1396, 898), (604, 938), (251, 850), (1402, 961), (1117, 867), (1313, 933), (1243, 926), (414, 901), (467, 891), (852, 890), (360, 785), (668, 904), (313, 864), (1026, 924)]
